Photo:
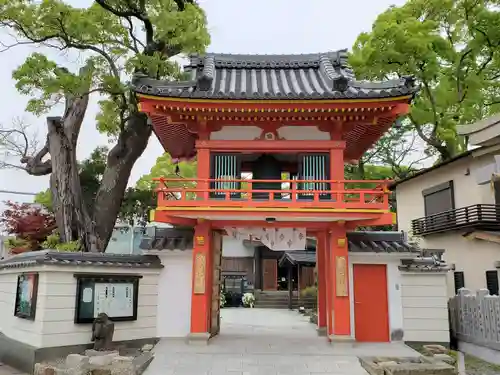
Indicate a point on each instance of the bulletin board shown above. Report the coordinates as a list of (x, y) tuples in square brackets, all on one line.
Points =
[(115, 295)]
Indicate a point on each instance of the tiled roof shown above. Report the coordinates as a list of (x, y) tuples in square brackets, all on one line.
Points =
[(168, 239), (47, 257), (424, 264), (388, 242), (308, 76), (298, 257), (377, 242), (182, 238)]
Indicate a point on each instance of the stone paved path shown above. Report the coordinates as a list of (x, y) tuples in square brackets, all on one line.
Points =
[(265, 342)]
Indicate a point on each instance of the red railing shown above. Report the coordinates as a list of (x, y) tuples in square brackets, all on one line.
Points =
[(341, 194)]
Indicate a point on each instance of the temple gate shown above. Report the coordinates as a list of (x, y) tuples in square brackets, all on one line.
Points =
[(271, 134)]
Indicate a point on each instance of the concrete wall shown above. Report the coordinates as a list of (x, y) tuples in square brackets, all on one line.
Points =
[(424, 305), (393, 287), (54, 322), (473, 257), (475, 318), (174, 293)]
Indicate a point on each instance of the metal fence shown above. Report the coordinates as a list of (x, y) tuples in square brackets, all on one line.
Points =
[(475, 318)]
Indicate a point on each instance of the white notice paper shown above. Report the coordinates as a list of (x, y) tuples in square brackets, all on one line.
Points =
[(87, 295), (114, 299)]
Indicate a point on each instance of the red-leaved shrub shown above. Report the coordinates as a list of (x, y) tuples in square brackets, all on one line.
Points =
[(28, 222)]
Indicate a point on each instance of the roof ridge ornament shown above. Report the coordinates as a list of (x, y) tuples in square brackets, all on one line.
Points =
[(207, 76), (336, 78)]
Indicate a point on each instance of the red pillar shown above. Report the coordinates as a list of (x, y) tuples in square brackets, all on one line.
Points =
[(201, 279), (321, 269), (329, 286), (339, 266)]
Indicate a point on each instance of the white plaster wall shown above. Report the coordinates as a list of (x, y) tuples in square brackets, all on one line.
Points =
[(425, 309), (410, 201), (174, 294), (473, 257), (22, 330), (393, 287), (235, 248), (54, 322)]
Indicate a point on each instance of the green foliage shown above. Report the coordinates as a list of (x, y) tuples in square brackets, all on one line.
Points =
[(164, 167), (452, 49), (13, 243), (45, 199), (117, 38), (53, 242)]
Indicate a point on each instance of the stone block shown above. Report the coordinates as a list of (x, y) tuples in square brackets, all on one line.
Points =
[(405, 366), (370, 366), (387, 364), (420, 369), (100, 371), (102, 360), (72, 371), (93, 352), (44, 369), (76, 360), (147, 348), (435, 349), (445, 358)]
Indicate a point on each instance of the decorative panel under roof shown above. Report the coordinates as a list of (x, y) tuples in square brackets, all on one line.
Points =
[(248, 77)]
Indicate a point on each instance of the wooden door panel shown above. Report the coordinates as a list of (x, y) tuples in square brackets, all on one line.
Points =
[(270, 274), (306, 277), (371, 310)]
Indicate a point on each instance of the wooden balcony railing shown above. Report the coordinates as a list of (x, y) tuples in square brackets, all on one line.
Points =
[(478, 216), (340, 194)]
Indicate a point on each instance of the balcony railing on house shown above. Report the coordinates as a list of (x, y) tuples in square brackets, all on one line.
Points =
[(478, 216), (332, 194)]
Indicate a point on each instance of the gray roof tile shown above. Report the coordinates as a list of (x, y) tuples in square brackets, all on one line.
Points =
[(308, 76), (47, 257), (167, 239)]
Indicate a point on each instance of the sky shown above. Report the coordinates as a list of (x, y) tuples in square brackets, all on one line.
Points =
[(256, 26)]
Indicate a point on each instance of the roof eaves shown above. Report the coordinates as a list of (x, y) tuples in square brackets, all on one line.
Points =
[(422, 172)]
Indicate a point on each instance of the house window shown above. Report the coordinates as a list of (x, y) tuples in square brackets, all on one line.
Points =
[(439, 198), (492, 282), (459, 280)]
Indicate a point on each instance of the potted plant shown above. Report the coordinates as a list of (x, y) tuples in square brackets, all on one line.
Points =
[(248, 300), (222, 300)]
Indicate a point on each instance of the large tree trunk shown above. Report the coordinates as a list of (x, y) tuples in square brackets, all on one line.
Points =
[(131, 144), (72, 218)]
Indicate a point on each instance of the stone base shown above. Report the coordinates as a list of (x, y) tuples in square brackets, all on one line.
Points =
[(23, 357), (198, 338), (338, 338), (321, 331), (405, 366)]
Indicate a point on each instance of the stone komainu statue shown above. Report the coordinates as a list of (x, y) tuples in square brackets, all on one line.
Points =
[(102, 332)]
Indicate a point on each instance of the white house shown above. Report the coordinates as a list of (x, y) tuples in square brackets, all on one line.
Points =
[(453, 208)]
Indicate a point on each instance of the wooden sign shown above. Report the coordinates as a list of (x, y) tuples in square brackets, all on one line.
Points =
[(341, 277), (200, 262)]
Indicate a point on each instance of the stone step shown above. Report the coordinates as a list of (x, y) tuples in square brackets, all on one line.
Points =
[(294, 304)]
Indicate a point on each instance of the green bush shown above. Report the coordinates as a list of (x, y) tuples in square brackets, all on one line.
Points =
[(12, 243), (53, 242), (309, 292)]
